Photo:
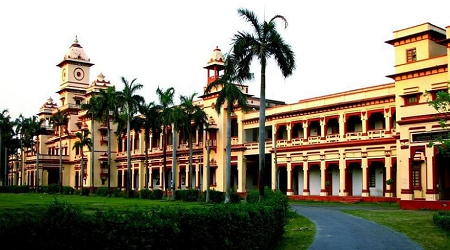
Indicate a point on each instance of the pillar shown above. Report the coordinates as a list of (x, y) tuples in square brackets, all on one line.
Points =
[(341, 128), (197, 176), (305, 178), (364, 123), (290, 177), (187, 180), (342, 175), (242, 178), (274, 173), (432, 193), (322, 127), (365, 174), (387, 170), (305, 131), (387, 119), (323, 190), (161, 178), (150, 178)]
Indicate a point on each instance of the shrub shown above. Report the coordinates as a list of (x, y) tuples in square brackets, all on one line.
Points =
[(14, 189), (216, 196), (145, 194), (157, 194), (102, 191), (117, 192), (442, 219), (85, 191), (68, 190), (187, 195)]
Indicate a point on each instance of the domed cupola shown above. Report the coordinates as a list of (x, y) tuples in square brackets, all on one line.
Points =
[(75, 53), (215, 64)]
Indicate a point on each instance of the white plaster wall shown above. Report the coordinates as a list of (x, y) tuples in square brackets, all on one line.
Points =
[(314, 181), (378, 181), (335, 182), (300, 182), (357, 182)]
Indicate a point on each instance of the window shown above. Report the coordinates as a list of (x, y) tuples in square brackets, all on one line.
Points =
[(416, 175), (411, 55), (372, 177), (434, 93), (78, 102), (411, 99)]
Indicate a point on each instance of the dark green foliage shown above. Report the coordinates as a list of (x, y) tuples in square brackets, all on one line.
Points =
[(85, 191), (442, 219), (145, 194), (68, 190), (224, 226), (187, 195), (157, 194), (118, 193), (216, 196), (50, 189), (102, 191), (134, 194), (14, 189)]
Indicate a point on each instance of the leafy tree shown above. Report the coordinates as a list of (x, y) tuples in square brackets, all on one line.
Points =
[(178, 120), (231, 96), (194, 114), (263, 43), (165, 102), (33, 129), (129, 102), (20, 130), (442, 105), (60, 120), (83, 141)]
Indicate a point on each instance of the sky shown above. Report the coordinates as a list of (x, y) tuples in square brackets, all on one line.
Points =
[(338, 45)]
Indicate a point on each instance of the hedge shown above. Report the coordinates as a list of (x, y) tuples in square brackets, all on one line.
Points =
[(14, 189), (223, 226), (442, 219)]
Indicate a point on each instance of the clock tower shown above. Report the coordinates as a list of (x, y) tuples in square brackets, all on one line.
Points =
[(74, 79)]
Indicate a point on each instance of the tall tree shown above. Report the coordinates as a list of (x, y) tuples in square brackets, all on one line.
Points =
[(107, 107), (129, 102), (150, 123), (83, 141), (165, 102), (33, 129), (178, 121), (60, 120), (232, 97), (195, 115), (263, 43), (9, 143), (20, 129), (93, 109), (4, 120)]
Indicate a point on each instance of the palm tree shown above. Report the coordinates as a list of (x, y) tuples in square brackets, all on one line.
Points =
[(265, 42), (92, 108), (165, 102), (7, 135), (195, 114), (60, 120), (108, 105), (129, 102), (178, 120), (20, 129), (83, 141), (150, 122), (233, 96), (33, 128)]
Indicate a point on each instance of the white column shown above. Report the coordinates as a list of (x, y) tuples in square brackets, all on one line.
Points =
[(365, 168), (242, 169), (342, 177), (305, 179), (289, 179), (387, 169), (323, 191)]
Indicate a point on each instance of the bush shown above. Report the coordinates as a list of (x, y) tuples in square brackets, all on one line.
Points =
[(68, 190), (117, 192), (187, 195), (442, 219), (145, 194), (14, 189), (102, 191), (85, 191), (157, 194), (216, 196)]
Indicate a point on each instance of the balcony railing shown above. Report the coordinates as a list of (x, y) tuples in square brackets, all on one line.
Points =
[(251, 145), (333, 138), (297, 141), (313, 139), (353, 136), (376, 133), (48, 157), (282, 143), (234, 140)]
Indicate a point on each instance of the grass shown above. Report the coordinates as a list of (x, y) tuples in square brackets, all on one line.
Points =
[(417, 225), (88, 204), (299, 233)]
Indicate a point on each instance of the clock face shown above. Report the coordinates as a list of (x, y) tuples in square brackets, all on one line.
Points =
[(63, 74), (78, 73)]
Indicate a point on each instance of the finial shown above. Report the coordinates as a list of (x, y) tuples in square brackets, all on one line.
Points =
[(76, 39), (50, 100), (101, 77)]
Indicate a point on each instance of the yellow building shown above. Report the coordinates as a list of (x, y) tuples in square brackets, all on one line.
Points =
[(368, 143)]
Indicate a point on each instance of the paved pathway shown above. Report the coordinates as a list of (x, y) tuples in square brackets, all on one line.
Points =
[(337, 230)]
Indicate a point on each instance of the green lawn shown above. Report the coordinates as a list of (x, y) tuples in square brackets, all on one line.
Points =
[(417, 225), (299, 233)]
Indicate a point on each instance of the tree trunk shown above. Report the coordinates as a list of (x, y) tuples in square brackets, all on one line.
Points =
[(93, 153), (208, 181), (228, 156), (4, 182), (147, 172), (6, 166), (128, 157), (22, 170), (191, 180), (36, 182), (60, 162), (174, 162), (164, 159), (262, 130), (109, 154), (82, 173)]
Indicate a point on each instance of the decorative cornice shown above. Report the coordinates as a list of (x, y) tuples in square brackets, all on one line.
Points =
[(438, 69)]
